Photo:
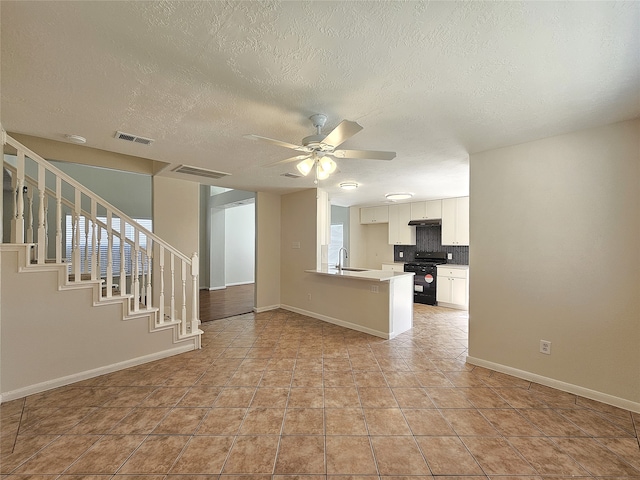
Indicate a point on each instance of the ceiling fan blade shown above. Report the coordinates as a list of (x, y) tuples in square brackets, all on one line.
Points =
[(288, 160), (345, 130), (274, 142), (365, 154)]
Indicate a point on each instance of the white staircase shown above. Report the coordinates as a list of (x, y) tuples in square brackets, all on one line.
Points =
[(119, 264)]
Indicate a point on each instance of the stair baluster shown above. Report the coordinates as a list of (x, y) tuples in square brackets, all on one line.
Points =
[(135, 271), (149, 296), (99, 256), (17, 227), (46, 231), (85, 267), (109, 272), (58, 220), (173, 288), (195, 267), (123, 273), (183, 315), (143, 278), (75, 248), (95, 265), (42, 216), (30, 215), (161, 299)]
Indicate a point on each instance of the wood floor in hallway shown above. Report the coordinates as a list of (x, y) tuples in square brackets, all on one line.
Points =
[(234, 300)]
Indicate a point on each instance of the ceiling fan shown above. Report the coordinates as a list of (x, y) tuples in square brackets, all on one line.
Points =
[(318, 149)]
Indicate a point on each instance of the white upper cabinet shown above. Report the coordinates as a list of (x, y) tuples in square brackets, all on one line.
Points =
[(455, 221), (400, 233), (426, 210), (374, 214)]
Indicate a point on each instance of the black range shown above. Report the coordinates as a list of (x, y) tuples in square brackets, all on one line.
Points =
[(424, 281)]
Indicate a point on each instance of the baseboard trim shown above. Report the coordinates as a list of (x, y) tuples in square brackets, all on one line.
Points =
[(265, 309), (559, 385), (337, 321), (239, 283), (96, 372), (211, 289)]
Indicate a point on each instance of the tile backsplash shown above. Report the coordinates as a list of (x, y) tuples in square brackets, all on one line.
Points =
[(428, 239)]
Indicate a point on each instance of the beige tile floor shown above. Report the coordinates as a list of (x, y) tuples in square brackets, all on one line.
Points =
[(279, 395)]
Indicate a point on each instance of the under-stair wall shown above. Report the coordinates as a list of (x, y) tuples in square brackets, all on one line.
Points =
[(66, 316), (53, 337)]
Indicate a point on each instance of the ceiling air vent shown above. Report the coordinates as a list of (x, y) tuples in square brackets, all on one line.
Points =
[(134, 138), (199, 172), (291, 175)]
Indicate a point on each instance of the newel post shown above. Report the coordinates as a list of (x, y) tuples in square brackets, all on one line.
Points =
[(195, 271)]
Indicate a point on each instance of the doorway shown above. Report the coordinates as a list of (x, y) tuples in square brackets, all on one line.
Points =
[(227, 243)]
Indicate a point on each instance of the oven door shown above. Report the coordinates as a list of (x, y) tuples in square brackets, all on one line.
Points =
[(424, 285)]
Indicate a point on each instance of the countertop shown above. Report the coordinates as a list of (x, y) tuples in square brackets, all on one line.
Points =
[(368, 275)]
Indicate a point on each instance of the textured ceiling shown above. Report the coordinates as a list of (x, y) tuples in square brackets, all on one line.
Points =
[(433, 81)]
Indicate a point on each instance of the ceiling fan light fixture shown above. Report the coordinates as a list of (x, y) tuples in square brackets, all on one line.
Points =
[(305, 166), (349, 185), (398, 196), (327, 165), (322, 174)]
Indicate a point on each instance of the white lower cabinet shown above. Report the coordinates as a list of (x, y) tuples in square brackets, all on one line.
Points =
[(452, 287)]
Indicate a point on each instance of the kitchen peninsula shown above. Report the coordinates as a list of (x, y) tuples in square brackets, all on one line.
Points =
[(378, 302)]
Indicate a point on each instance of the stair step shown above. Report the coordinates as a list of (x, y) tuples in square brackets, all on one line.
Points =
[(83, 277), (50, 261), (115, 291)]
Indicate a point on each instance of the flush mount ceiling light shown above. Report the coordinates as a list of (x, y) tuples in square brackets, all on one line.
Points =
[(349, 185), (75, 138), (398, 196)]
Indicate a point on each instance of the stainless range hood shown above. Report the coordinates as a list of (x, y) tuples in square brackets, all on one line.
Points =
[(426, 223)]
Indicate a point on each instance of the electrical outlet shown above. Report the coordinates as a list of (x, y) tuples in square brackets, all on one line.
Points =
[(401, 254), (374, 288), (308, 296), (449, 256), (295, 245), (545, 347)]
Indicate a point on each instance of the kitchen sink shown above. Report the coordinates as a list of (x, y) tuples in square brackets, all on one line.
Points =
[(349, 269)]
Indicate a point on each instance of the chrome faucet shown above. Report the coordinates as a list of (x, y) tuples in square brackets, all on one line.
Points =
[(340, 259)]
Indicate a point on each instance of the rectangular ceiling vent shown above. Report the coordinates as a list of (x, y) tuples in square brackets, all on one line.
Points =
[(134, 138), (199, 172), (291, 175)]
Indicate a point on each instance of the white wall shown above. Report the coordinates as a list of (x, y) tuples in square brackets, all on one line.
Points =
[(377, 244), (267, 218), (217, 249), (555, 255), (240, 238), (176, 219), (368, 244), (130, 192)]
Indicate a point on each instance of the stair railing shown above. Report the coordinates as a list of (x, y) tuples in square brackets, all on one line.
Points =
[(53, 185)]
